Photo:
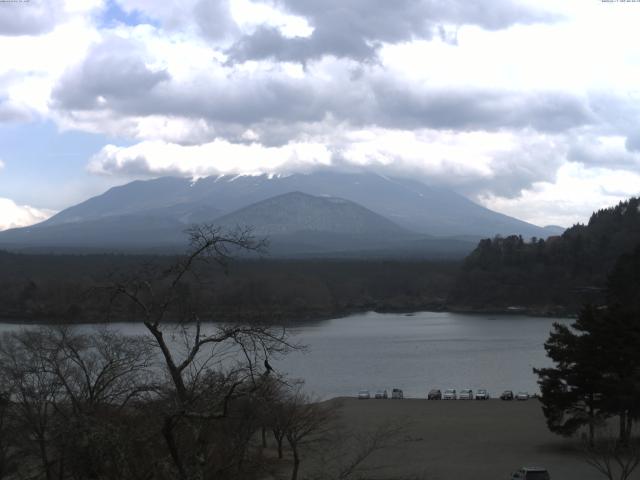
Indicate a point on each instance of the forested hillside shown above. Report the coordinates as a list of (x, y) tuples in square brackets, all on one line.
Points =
[(556, 275)]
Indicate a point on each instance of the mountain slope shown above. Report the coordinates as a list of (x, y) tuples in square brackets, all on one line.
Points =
[(297, 212), (409, 203), (121, 232)]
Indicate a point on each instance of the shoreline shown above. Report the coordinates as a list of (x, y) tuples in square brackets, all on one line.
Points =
[(310, 317)]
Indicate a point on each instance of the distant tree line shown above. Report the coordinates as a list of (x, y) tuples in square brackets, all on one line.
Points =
[(65, 288)]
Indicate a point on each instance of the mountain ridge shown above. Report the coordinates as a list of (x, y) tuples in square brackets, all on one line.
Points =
[(169, 205)]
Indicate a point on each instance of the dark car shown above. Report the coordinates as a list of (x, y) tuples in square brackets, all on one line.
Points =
[(531, 473), (434, 394), (397, 394), (506, 395)]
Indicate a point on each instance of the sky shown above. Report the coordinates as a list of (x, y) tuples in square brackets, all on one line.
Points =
[(529, 107)]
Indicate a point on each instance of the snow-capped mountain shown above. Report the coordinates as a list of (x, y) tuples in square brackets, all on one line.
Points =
[(156, 212)]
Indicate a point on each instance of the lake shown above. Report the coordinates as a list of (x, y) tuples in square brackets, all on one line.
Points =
[(420, 351), (414, 352)]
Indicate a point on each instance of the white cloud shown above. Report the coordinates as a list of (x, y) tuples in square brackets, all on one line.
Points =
[(31, 65), (13, 215), (473, 162), (218, 157), (523, 113), (249, 15), (576, 193)]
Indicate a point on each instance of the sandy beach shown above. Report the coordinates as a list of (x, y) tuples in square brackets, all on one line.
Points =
[(482, 440)]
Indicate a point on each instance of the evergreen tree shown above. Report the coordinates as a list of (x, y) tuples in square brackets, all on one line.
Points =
[(597, 360), (572, 391)]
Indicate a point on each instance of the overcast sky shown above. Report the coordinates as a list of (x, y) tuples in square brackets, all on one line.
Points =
[(531, 108)]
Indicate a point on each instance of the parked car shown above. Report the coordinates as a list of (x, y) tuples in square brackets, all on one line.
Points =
[(466, 394), (522, 396), (397, 394), (450, 394), (434, 394), (506, 395), (531, 473), (381, 394), (482, 394), (364, 395)]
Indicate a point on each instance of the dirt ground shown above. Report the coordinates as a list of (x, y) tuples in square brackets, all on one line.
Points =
[(465, 439)]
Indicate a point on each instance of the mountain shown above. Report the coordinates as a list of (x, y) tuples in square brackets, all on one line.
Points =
[(298, 224), (297, 212), (154, 213), (409, 203)]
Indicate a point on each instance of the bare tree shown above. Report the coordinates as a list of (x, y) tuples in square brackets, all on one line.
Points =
[(66, 389), (612, 458), (350, 451), (208, 364), (303, 422), (102, 368), (34, 393), (276, 415), (8, 460), (367, 444)]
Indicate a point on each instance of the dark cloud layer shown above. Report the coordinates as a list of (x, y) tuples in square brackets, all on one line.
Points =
[(592, 152), (115, 79), (214, 19), (356, 28), (479, 109), (113, 72)]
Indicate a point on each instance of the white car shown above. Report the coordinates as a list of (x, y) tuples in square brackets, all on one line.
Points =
[(381, 394), (466, 394), (531, 473), (482, 394), (522, 396), (364, 395), (450, 394)]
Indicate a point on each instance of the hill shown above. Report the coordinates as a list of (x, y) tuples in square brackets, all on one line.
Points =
[(296, 212)]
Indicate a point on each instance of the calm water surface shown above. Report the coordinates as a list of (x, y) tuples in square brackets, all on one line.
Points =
[(421, 351), (414, 352)]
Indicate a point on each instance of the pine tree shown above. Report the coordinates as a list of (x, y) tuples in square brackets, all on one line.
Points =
[(572, 392), (597, 360)]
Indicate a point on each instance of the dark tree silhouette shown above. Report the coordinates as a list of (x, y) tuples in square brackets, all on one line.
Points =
[(572, 390), (203, 379), (597, 361)]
